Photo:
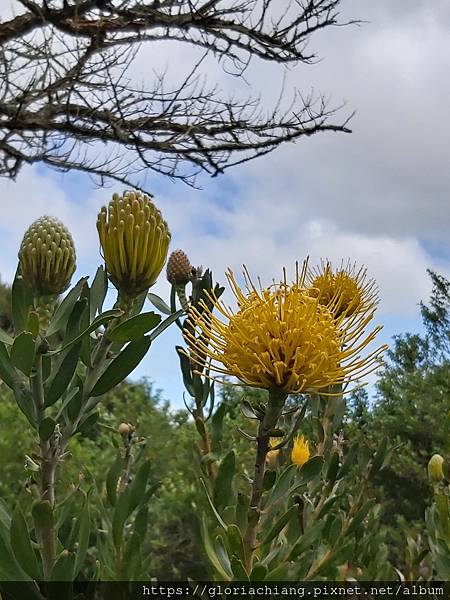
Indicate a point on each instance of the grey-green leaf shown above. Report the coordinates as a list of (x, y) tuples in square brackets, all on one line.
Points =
[(134, 328), (21, 545), (122, 366)]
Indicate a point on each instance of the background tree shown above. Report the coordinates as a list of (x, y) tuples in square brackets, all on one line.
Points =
[(65, 85), (412, 410)]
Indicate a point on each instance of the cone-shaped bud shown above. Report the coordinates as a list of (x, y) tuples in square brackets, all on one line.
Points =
[(134, 239), (47, 257), (179, 269), (435, 471)]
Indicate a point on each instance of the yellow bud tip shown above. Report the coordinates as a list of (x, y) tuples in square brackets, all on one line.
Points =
[(435, 471)]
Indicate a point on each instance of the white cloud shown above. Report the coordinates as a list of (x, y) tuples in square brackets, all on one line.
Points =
[(375, 196)]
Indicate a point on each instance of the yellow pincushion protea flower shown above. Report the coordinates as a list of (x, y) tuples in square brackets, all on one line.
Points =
[(300, 451), (134, 239), (47, 257), (345, 291), (282, 338)]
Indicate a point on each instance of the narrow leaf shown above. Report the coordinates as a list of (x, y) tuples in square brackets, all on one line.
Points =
[(134, 328), (159, 304), (61, 315), (122, 366), (21, 545), (61, 379)]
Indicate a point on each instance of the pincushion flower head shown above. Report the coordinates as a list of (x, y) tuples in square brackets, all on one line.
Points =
[(281, 337), (134, 239), (47, 257), (345, 291), (300, 451)]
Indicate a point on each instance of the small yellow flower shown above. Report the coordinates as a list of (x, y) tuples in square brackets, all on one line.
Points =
[(47, 257), (134, 239), (345, 291), (282, 337), (435, 471), (300, 451)]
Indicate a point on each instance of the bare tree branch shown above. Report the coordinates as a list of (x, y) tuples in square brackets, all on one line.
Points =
[(67, 99)]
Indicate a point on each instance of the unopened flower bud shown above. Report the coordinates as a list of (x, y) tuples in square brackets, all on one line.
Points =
[(124, 429), (179, 269), (134, 239), (435, 471), (47, 257)]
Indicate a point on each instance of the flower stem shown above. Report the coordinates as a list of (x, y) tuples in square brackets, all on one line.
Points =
[(49, 457), (273, 412)]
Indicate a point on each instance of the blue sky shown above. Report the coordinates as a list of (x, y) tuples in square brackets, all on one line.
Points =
[(379, 196)]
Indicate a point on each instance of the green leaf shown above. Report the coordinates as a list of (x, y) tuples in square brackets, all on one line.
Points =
[(5, 517), (224, 480), (333, 467), (46, 428), (238, 569), (21, 302), (21, 545), (96, 323), (243, 502), (139, 485), (310, 537), (134, 328), (98, 292), (217, 426), (186, 372), (220, 521), (84, 529), (379, 457), (25, 402), (166, 323), (11, 571), (159, 304), (88, 422), (442, 504), (122, 366), (33, 323), (7, 372), (61, 379), (282, 485), (112, 479), (121, 513), (61, 315), (42, 514), (258, 573), (235, 541), (349, 462), (361, 515), (211, 553), (280, 524), (5, 338), (269, 479), (312, 468), (63, 569), (247, 410)]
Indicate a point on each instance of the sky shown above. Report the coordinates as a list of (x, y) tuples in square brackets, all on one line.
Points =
[(378, 196)]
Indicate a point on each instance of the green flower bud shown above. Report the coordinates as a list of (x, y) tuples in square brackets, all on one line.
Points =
[(134, 239), (435, 472), (47, 257)]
